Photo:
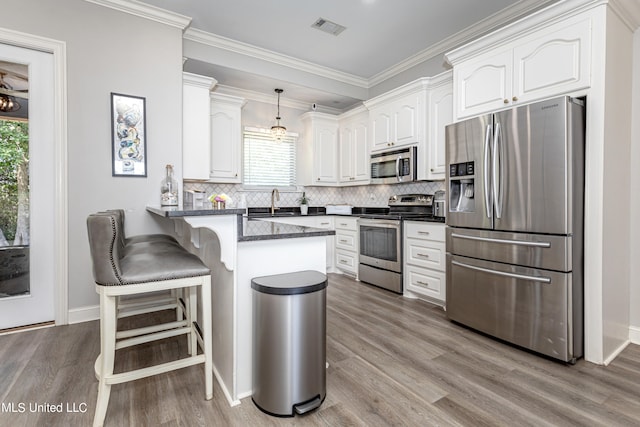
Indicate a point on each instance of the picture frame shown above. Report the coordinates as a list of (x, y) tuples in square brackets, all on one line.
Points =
[(128, 136)]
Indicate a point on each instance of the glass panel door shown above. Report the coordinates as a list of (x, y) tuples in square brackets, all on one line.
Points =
[(14, 180), (28, 176)]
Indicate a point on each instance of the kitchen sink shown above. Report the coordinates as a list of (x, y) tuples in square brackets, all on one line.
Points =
[(266, 212)]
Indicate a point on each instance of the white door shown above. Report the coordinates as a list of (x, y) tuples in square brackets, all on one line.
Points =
[(36, 304)]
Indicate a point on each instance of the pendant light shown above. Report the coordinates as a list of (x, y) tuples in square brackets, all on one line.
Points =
[(278, 132)]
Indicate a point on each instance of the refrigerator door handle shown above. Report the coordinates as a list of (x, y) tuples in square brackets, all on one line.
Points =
[(540, 279), (487, 184), (498, 185), (503, 241)]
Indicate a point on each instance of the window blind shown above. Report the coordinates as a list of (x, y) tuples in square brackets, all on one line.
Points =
[(268, 162)]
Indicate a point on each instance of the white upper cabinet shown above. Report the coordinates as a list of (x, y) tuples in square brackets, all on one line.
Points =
[(483, 84), (318, 152), (196, 131), (543, 63), (226, 138), (440, 115), (396, 122), (354, 150), (415, 114), (556, 61)]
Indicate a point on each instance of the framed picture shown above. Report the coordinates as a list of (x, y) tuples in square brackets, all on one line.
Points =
[(128, 135)]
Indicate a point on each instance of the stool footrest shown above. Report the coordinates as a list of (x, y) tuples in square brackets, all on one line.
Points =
[(128, 312), (152, 337), (154, 370)]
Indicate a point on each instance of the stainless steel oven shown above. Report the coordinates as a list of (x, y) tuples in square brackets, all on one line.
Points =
[(394, 166), (381, 253)]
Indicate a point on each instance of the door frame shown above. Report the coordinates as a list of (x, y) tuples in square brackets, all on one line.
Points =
[(59, 51)]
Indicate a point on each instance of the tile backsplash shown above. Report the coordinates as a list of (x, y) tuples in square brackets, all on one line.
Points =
[(362, 195)]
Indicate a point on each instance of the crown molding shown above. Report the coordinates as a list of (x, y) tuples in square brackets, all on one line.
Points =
[(199, 81), (628, 11), (270, 99), (245, 49), (535, 22), (146, 11), (423, 83), (517, 10)]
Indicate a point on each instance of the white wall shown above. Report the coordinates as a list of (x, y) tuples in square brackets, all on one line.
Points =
[(108, 51), (634, 276)]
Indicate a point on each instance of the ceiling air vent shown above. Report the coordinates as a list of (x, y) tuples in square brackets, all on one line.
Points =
[(328, 26)]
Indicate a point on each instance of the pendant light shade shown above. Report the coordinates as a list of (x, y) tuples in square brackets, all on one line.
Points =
[(278, 131)]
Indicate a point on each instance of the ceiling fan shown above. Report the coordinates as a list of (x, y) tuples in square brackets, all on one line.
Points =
[(8, 101)]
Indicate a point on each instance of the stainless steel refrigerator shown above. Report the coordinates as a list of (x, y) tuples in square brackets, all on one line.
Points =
[(515, 184)]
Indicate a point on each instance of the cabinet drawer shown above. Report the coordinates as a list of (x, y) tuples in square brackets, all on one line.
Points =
[(426, 254), (426, 282), (324, 222), (425, 231), (346, 240), (347, 261), (343, 223)]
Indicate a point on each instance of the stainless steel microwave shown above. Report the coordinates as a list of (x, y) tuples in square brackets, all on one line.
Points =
[(395, 166)]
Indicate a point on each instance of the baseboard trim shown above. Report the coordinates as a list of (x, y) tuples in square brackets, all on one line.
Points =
[(634, 334), (615, 354), (84, 314), (223, 386)]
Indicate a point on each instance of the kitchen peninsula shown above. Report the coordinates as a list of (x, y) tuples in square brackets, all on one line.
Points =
[(237, 249)]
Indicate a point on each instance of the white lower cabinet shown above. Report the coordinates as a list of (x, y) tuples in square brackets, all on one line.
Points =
[(325, 222), (347, 245), (425, 261)]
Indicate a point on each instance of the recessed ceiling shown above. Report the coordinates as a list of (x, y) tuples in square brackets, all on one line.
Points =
[(379, 34)]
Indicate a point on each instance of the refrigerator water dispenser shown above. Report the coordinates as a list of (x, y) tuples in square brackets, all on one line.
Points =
[(461, 187), (461, 195)]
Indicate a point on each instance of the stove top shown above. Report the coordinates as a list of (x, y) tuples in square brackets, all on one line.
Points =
[(403, 216), (406, 207)]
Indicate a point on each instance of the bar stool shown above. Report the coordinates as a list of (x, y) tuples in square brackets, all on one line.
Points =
[(120, 269)]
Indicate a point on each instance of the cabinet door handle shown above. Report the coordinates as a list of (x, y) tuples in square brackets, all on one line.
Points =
[(343, 241), (343, 261), (426, 233), (420, 282), (423, 255), (506, 101), (324, 223), (343, 224), (515, 98), (318, 179)]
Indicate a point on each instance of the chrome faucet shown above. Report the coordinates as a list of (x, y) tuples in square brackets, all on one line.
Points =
[(275, 195)]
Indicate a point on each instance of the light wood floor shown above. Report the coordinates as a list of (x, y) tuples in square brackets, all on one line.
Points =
[(393, 361)]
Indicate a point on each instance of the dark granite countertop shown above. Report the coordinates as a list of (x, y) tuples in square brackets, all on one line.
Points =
[(252, 229), (249, 229), (180, 211)]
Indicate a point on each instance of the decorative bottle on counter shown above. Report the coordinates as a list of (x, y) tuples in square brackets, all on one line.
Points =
[(169, 189)]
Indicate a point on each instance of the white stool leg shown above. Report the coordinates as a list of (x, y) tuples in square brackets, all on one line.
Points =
[(207, 334), (175, 293), (108, 320), (192, 304)]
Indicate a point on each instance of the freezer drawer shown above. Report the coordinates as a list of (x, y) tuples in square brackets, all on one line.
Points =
[(531, 250), (528, 307)]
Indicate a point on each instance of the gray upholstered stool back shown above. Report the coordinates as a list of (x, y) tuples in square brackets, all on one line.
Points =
[(106, 244)]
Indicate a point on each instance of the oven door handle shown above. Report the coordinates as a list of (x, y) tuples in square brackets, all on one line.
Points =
[(382, 223)]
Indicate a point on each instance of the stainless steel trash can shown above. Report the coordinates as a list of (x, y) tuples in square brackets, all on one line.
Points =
[(289, 342)]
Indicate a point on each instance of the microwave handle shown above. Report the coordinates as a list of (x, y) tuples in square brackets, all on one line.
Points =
[(398, 169)]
